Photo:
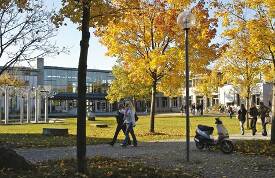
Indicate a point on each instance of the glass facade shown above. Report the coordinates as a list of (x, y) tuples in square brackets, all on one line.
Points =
[(65, 80)]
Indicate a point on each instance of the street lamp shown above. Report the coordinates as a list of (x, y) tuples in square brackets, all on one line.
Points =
[(185, 20)]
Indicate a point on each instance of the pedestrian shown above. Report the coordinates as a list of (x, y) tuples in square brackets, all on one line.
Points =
[(263, 113), (201, 107), (253, 111), (230, 112), (129, 120), (120, 125), (198, 107), (241, 116), (181, 109), (193, 108)]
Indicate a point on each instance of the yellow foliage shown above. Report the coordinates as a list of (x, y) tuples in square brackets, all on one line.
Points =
[(253, 19), (123, 86), (9, 80), (150, 44)]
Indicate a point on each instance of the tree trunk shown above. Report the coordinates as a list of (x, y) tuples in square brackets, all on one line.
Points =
[(81, 107), (273, 116), (247, 107), (247, 116), (152, 113)]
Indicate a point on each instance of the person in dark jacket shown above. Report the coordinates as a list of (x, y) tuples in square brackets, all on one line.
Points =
[(230, 112), (120, 125), (193, 108), (263, 112), (241, 116), (253, 111)]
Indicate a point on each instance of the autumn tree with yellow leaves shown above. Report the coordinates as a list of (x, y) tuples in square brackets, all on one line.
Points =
[(256, 20), (240, 70), (123, 86), (208, 83), (87, 14), (9, 80), (150, 44)]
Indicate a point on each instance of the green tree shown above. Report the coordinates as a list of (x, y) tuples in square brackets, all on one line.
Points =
[(123, 86)]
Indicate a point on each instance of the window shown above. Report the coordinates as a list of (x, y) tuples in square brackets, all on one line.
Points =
[(157, 102), (215, 100), (190, 83), (164, 102), (103, 106), (174, 102)]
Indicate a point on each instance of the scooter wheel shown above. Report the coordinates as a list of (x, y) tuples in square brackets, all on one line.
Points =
[(199, 145), (227, 146)]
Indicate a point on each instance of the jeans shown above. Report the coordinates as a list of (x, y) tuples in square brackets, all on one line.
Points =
[(120, 126), (253, 125), (129, 129), (242, 128), (263, 125)]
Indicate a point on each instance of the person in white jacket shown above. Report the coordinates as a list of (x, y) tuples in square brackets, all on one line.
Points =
[(129, 120)]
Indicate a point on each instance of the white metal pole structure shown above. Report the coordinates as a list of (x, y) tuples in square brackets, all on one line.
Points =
[(185, 21), (1, 103), (6, 104), (28, 93), (1, 94), (21, 109), (46, 109), (36, 105), (45, 94), (20, 92)]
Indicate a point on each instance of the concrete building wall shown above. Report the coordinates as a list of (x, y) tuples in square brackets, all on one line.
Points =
[(40, 67)]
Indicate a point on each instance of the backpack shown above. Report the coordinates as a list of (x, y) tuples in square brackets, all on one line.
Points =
[(136, 117)]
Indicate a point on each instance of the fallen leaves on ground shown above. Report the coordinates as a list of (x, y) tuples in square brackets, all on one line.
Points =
[(98, 167), (255, 147)]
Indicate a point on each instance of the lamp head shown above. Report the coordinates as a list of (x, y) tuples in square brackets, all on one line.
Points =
[(186, 19)]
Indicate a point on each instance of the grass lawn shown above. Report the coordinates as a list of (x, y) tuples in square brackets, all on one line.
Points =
[(166, 127), (97, 167)]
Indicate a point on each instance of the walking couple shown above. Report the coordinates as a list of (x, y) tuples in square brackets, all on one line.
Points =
[(262, 112), (126, 121)]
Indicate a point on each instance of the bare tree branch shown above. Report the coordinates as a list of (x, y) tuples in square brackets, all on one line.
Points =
[(25, 33)]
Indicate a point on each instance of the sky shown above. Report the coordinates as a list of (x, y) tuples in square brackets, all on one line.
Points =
[(69, 36)]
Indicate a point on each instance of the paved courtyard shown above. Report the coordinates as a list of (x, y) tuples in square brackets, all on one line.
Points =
[(170, 154)]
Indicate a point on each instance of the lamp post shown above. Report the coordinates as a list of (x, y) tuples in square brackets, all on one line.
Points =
[(185, 20)]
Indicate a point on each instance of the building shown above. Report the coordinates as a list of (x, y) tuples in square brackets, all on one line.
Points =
[(62, 84)]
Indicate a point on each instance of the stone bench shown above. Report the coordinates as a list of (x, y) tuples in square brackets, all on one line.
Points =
[(101, 125), (55, 131)]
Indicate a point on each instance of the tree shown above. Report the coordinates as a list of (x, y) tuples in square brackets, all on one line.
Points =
[(9, 80), (240, 70), (81, 88), (124, 87), (25, 32), (87, 14), (259, 24), (147, 40), (208, 83)]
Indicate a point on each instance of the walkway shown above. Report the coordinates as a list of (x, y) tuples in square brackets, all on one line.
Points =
[(170, 154)]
